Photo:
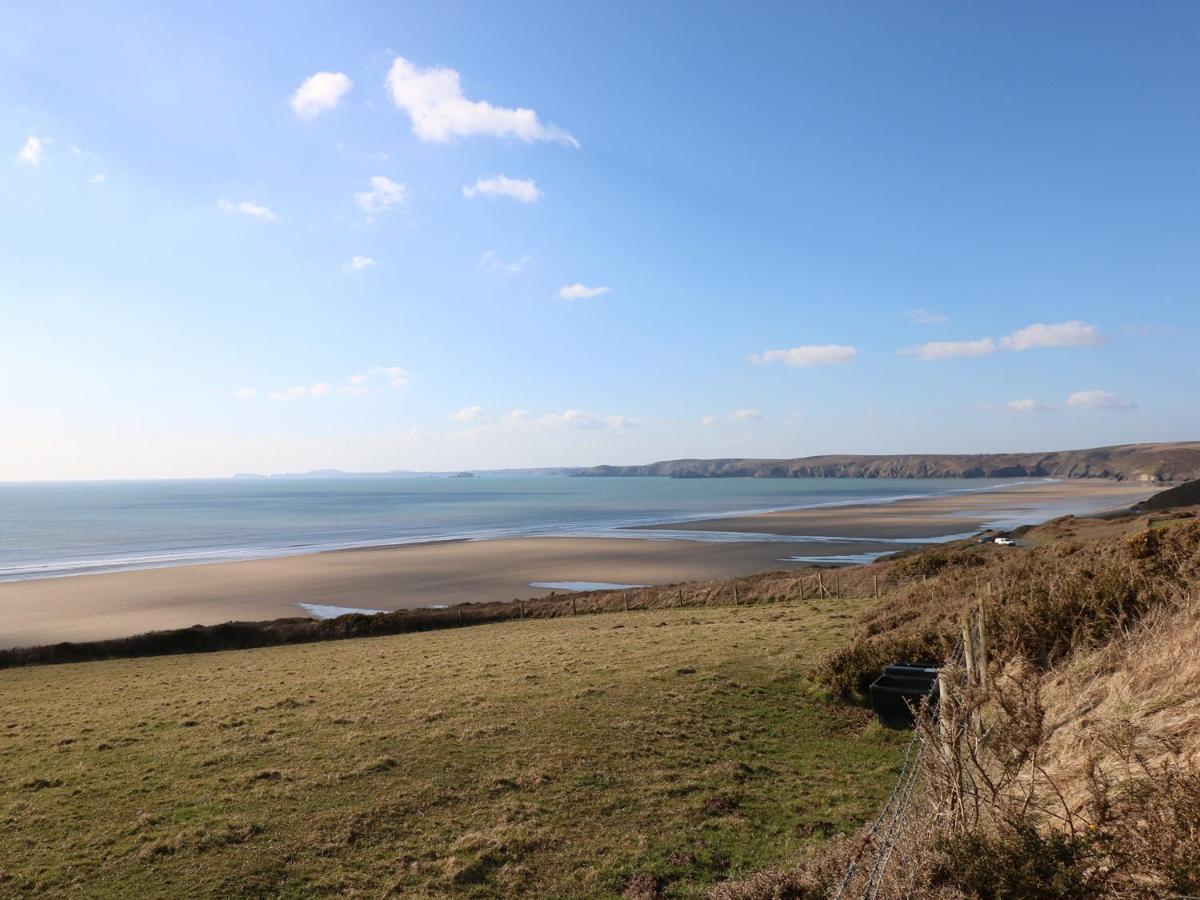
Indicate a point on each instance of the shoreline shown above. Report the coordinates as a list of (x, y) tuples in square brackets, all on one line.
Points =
[(687, 527), (409, 576)]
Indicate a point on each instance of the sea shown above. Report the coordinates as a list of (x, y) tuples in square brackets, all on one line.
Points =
[(71, 528)]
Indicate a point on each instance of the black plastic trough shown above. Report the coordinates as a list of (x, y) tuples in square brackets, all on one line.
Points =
[(899, 686)]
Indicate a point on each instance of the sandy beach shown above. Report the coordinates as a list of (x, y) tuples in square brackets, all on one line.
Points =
[(90, 607)]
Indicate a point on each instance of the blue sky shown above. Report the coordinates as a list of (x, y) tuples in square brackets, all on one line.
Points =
[(558, 234)]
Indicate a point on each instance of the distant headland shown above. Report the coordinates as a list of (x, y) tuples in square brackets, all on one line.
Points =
[(1157, 463)]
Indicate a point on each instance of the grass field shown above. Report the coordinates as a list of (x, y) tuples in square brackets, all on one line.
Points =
[(556, 757)]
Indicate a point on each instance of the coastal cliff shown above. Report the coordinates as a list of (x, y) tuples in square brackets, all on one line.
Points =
[(1157, 463)]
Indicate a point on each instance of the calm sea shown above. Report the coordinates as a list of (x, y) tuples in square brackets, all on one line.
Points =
[(49, 530)]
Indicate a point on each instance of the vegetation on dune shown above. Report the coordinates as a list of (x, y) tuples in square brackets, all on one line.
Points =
[(1073, 771), (657, 752)]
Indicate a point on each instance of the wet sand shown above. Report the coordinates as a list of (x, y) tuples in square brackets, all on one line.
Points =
[(91, 607), (935, 517)]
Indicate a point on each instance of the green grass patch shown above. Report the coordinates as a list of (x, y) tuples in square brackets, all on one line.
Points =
[(558, 757)]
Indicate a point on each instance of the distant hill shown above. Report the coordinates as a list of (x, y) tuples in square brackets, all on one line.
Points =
[(1156, 463)]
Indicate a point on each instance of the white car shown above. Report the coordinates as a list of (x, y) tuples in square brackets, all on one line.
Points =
[(1006, 542)]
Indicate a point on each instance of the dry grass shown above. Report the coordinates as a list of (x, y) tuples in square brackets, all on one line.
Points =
[(1075, 771), (655, 751)]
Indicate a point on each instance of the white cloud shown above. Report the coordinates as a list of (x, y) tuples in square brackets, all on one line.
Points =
[(1062, 334), (358, 379), (32, 150), (383, 195), (248, 208), (245, 393), (434, 100), (396, 376), (518, 417), (1029, 406), (358, 264), (810, 355), (319, 93), (746, 415), (1098, 399), (708, 421), (953, 349), (492, 263), (523, 190), (575, 419), (98, 178), (925, 317), (579, 291), (320, 389), (473, 415)]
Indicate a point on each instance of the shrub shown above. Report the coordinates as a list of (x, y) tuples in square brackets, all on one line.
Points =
[(1023, 863)]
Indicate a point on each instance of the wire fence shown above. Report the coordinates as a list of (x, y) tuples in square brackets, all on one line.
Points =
[(892, 825)]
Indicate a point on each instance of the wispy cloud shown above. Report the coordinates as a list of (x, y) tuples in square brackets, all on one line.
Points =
[(319, 93), (522, 419), (32, 150), (251, 209), (579, 291), (808, 355), (383, 195), (523, 190), (473, 415), (360, 383), (1099, 400), (492, 263), (98, 178), (746, 415), (1061, 334), (576, 419), (925, 317), (434, 100), (1146, 329), (1029, 406), (395, 375), (312, 391), (952, 349), (708, 421), (358, 264)]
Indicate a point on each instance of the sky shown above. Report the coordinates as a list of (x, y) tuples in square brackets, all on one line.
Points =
[(276, 237)]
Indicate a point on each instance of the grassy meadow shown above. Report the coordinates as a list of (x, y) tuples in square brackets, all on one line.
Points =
[(575, 757)]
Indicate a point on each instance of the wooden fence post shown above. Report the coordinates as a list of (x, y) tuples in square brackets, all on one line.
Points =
[(875, 579), (736, 601), (625, 600), (982, 647), (821, 586), (460, 615), (968, 640), (681, 598), (572, 606)]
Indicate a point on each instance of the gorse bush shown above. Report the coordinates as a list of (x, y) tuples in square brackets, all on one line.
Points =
[(1021, 863), (1041, 605)]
